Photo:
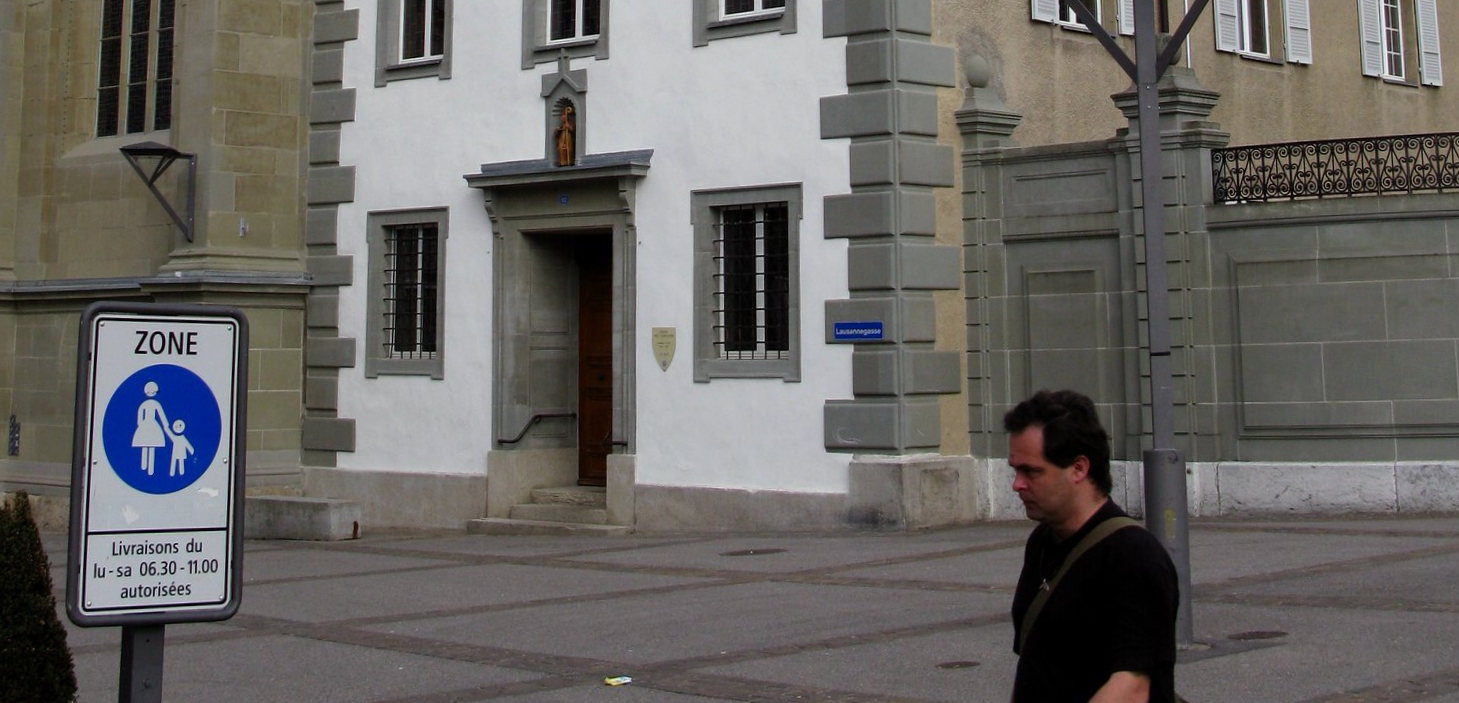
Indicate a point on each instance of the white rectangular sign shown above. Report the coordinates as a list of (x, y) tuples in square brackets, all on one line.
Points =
[(157, 480)]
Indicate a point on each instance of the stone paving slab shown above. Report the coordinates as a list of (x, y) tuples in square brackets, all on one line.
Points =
[(1324, 651), (782, 553), (279, 668), (969, 664), (1367, 611), (456, 587), (701, 623)]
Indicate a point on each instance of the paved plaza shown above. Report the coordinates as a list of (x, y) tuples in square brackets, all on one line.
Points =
[(1304, 610)]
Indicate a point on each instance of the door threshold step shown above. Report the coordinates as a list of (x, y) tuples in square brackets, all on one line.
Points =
[(585, 496), (507, 526)]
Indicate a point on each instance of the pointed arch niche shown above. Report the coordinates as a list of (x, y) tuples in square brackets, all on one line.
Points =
[(560, 91)]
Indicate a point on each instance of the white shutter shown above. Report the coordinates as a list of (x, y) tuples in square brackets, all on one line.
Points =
[(1431, 70), (1370, 26), (1299, 32), (1046, 10), (1228, 26), (1127, 17)]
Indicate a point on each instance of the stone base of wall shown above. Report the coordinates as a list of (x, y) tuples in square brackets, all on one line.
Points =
[(915, 491), (678, 508), (397, 499)]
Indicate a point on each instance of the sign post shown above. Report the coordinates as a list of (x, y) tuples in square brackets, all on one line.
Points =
[(157, 476)]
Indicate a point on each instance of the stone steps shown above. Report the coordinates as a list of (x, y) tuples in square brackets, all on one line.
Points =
[(559, 510)]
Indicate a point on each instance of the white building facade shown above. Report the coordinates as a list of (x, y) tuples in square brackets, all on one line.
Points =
[(684, 252)]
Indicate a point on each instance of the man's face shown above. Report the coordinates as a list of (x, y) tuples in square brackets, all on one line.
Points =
[(1047, 490)]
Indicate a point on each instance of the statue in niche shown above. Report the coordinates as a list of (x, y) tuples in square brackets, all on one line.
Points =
[(566, 139)]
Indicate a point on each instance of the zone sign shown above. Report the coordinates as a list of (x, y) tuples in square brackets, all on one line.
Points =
[(157, 468)]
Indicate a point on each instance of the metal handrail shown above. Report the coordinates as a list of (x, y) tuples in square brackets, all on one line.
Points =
[(535, 419)]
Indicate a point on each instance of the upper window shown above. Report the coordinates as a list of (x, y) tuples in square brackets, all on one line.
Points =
[(719, 19), (746, 283), (1061, 12), (578, 27), (1400, 36), (1245, 27), (134, 89), (573, 20), (413, 39), (407, 260)]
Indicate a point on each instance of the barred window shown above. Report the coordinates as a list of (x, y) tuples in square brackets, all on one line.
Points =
[(753, 301), (746, 282), (405, 307), (410, 291), (134, 85)]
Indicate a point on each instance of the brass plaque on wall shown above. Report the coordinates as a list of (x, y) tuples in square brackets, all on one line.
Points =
[(664, 341)]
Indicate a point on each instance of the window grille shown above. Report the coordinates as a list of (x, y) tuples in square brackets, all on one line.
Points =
[(135, 67), (410, 291), (752, 300)]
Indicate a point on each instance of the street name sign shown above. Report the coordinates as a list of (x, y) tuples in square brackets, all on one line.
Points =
[(158, 465)]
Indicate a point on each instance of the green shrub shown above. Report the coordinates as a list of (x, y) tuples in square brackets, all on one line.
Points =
[(38, 665)]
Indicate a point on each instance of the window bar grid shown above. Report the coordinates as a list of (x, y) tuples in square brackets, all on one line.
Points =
[(410, 292), (751, 316), (137, 58)]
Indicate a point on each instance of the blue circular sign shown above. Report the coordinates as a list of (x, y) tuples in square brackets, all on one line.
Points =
[(161, 429)]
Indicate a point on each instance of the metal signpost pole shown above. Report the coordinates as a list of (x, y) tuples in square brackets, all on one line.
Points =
[(1166, 509)]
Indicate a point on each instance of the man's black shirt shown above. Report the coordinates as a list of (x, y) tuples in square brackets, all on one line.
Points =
[(1113, 611)]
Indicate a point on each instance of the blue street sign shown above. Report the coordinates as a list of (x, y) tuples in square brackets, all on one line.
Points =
[(161, 429), (856, 331)]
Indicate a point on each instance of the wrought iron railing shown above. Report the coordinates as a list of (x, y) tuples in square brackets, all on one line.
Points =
[(1347, 167)]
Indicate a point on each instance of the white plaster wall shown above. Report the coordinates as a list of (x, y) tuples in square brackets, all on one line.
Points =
[(741, 111)]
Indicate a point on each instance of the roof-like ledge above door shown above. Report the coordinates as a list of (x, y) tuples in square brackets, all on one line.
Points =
[(590, 167)]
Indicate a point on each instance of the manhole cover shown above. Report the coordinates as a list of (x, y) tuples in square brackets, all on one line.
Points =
[(751, 552), (957, 665), (1256, 635)]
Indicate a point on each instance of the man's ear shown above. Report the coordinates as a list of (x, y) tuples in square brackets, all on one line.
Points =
[(1079, 470)]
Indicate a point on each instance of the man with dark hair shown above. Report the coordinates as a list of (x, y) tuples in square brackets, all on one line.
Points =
[(1102, 627)]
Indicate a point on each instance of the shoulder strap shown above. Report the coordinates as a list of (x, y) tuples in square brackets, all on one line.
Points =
[(1102, 530)]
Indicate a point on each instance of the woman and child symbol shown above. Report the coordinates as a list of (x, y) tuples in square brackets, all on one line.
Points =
[(153, 433)]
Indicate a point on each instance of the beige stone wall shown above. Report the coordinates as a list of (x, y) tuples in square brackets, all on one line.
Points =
[(1061, 80), (78, 225)]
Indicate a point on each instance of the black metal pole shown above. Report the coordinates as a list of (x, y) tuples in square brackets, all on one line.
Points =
[(141, 674)]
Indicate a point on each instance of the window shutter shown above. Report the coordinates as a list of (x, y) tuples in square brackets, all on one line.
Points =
[(1046, 10), (1127, 17), (1370, 27), (1299, 32), (1228, 27), (1431, 70)]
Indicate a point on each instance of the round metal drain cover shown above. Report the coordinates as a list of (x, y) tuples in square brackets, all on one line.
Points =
[(751, 552), (1256, 635), (957, 665)]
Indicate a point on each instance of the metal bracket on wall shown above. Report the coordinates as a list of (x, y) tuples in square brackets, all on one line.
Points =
[(165, 155)]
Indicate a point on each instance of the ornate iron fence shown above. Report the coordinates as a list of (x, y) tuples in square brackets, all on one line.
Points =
[(1371, 166)]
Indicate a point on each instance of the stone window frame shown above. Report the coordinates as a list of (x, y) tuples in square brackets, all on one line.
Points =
[(537, 49), (710, 24), (377, 361), (705, 206), (160, 67), (388, 66)]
